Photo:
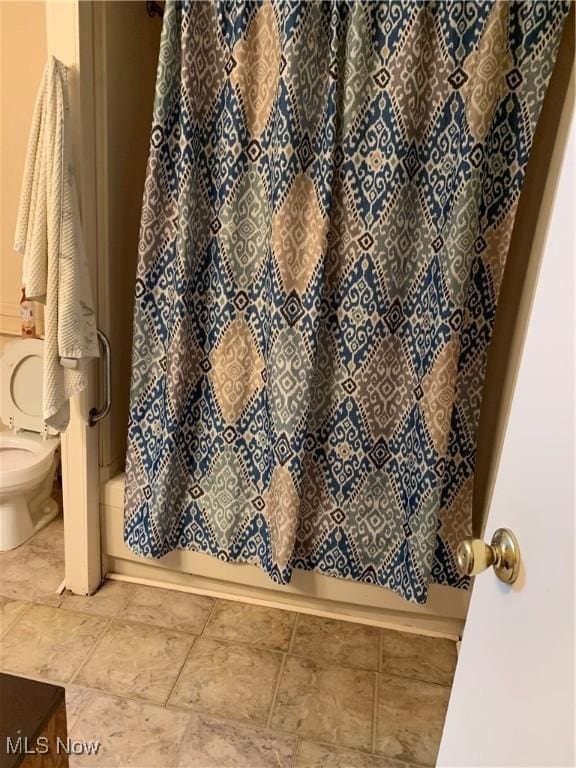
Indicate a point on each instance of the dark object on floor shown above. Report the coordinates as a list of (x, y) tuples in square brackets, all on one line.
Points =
[(32, 719)]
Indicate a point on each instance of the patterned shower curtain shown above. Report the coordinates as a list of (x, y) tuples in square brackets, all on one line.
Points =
[(328, 206)]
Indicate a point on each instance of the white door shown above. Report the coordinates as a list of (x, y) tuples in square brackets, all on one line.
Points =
[(512, 703)]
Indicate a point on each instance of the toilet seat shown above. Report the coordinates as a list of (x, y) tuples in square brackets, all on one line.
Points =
[(26, 452), (21, 386), (16, 457), (23, 458)]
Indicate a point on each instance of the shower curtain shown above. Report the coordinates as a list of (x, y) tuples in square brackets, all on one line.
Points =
[(329, 200)]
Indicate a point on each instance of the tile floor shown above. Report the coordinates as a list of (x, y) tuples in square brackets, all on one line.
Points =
[(165, 678)]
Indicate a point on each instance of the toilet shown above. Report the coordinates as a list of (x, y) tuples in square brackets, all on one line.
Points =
[(28, 447)]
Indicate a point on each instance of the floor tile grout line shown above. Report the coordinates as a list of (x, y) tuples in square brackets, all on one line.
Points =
[(136, 623), (416, 679), (275, 691), (184, 732), (80, 712), (247, 643), (259, 647), (36, 678), (133, 698), (94, 615), (296, 751), (91, 652), (323, 662), (209, 618), (281, 672), (17, 619), (380, 650), (375, 698), (129, 599), (241, 643), (293, 635), (186, 657), (114, 694), (32, 600), (198, 710), (396, 762)]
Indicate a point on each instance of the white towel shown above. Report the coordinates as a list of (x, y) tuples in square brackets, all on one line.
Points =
[(49, 235)]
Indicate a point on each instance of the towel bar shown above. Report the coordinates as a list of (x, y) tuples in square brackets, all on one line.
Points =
[(97, 414)]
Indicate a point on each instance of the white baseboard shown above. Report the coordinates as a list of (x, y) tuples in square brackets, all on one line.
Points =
[(443, 615), (137, 573)]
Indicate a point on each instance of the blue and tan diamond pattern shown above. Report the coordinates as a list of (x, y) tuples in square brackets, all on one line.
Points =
[(329, 201)]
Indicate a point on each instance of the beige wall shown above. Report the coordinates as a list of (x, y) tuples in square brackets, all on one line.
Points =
[(519, 280), (22, 59), (4, 339), (126, 69)]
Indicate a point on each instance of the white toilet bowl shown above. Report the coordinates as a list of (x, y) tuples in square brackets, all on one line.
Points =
[(27, 467), (29, 451)]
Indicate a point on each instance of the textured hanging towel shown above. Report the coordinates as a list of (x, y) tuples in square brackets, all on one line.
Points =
[(329, 201), (49, 235)]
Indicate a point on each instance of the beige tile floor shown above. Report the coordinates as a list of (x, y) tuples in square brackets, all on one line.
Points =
[(165, 678)]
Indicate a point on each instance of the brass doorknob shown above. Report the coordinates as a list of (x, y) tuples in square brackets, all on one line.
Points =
[(503, 554)]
